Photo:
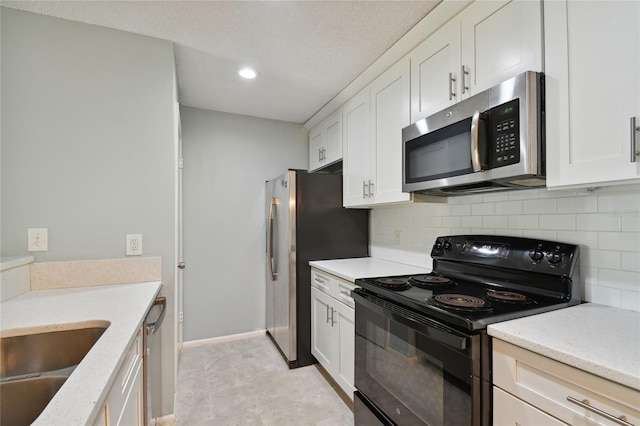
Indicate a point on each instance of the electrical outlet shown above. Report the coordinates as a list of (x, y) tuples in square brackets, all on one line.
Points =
[(37, 239), (134, 244), (397, 238)]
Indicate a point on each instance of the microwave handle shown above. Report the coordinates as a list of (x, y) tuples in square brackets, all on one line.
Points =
[(475, 141)]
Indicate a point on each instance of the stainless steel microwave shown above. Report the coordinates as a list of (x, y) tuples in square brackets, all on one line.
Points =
[(492, 141)]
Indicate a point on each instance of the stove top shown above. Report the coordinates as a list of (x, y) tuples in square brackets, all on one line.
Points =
[(480, 280)]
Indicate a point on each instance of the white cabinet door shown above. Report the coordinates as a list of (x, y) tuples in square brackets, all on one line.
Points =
[(346, 332), (333, 148), (389, 114), (322, 340), (500, 39), (325, 142), (132, 410), (435, 67), (511, 411), (592, 67), (317, 141), (356, 173)]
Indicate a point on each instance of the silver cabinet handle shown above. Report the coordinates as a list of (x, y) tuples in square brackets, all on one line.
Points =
[(622, 420), (464, 83), (333, 322), (634, 131), (320, 154), (452, 80), (365, 189), (328, 318), (370, 189), (475, 150), (181, 265), (324, 154)]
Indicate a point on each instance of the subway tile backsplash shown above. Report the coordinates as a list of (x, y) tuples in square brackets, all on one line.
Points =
[(605, 223)]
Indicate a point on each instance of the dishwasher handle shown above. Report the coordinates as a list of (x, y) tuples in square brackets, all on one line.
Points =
[(152, 327)]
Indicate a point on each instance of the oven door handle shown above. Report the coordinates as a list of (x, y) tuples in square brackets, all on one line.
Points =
[(424, 325)]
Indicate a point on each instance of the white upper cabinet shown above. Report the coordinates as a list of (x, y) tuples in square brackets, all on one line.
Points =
[(434, 69), (487, 43), (325, 142), (356, 167), (373, 122), (389, 114), (592, 61), (500, 39)]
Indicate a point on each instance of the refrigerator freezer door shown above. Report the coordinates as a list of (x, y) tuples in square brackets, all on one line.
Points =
[(281, 279)]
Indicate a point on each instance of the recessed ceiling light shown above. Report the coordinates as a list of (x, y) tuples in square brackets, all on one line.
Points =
[(247, 73)]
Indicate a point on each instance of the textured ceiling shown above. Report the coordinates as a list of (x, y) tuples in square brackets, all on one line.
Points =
[(305, 52)]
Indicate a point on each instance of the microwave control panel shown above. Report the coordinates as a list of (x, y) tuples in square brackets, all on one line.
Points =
[(505, 146)]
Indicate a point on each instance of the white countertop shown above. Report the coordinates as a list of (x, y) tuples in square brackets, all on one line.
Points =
[(124, 306), (365, 267), (8, 262), (599, 339)]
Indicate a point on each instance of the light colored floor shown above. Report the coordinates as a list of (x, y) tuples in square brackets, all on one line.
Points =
[(246, 382)]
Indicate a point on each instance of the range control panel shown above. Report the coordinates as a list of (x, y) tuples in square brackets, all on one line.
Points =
[(505, 134), (525, 254)]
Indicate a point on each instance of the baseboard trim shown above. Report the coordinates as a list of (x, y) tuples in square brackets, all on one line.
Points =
[(168, 420), (230, 338)]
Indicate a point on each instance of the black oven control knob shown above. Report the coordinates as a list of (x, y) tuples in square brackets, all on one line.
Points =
[(555, 258), (446, 246), (537, 255)]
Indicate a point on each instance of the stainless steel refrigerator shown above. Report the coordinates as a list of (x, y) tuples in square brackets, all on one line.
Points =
[(305, 221)]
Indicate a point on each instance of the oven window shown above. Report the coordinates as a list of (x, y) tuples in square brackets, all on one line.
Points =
[(410, 377), (442, 153)]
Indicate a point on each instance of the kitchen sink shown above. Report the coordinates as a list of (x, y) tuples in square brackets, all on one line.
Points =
[(45, 352), (22, 401), (33, 367)]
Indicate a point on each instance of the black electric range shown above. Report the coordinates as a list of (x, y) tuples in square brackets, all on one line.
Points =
[(478, 280), (423, 356)]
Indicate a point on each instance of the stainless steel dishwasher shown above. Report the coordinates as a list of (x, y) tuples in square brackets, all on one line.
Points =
[(150, 327)]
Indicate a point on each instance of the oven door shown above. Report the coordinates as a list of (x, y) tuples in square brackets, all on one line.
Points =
[(413, 369)]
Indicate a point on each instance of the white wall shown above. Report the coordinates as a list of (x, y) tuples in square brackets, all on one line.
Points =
[(606, 225), (227, 159), (88, 150)]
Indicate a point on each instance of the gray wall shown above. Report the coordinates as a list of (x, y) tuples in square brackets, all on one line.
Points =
[(88, 149), (227, 159)]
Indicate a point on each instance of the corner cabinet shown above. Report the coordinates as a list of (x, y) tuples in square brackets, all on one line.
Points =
[(325, 142), (373, 122), (333, 327), (592, 61), (487, 43), (125, 402), (530, 389)]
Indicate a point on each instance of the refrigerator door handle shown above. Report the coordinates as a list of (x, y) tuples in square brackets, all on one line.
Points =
[(270, 238)]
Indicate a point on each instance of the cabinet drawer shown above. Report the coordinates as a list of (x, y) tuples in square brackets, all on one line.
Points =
[(344, 293), (547, 385), (322, 282), (509, 410)]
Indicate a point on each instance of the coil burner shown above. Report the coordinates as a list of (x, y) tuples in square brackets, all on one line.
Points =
[(430, 281), (396, 284), (508, 297), (461, 302)]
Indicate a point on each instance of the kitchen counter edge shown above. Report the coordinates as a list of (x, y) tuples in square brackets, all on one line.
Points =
[(598, 339), (365, 267), (124, 306)]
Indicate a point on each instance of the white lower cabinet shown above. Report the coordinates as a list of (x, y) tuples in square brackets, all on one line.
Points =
[(531, 389), (333, 327), (125, 403)]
